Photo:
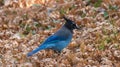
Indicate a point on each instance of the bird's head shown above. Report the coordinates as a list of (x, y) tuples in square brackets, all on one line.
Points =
[(70, 24)]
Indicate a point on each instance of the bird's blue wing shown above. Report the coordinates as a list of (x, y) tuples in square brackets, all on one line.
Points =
[(53, 39)]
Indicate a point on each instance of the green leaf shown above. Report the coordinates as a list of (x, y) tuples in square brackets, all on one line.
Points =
[(14, 12), (28, 29), (72, 7), (116, 46), (57, 0), (113, 7), (22, 25), (33, 32), (83, 15), (97, 3), (108, 40), (62, 11), (36, 24), (24, 16), (106, 14), (48, 27), (36, 5), (101, 47)]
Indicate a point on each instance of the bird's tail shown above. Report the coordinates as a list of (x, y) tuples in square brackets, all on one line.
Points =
[(36, 50)]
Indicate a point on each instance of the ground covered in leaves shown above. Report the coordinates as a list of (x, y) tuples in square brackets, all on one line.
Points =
[(96, 44)]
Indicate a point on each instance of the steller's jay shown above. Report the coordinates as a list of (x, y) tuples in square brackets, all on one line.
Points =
[(58, 40)]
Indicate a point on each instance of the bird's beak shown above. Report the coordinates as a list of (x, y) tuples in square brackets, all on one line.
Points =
[(77, 27)]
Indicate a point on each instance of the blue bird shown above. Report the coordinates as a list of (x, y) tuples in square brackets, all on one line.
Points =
[(58, 40)]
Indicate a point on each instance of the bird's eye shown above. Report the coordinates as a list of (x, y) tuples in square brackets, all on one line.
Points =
[(75, 26)]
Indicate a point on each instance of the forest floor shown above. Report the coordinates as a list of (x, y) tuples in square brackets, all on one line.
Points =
[(96, 44)]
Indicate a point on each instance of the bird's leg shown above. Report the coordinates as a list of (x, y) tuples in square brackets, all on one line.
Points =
[(58, 52)]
